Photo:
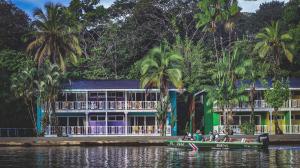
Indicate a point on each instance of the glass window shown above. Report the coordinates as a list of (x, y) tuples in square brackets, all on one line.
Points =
[(72, 121), (80, 121), (93, 96), (140, 121), (101, 118), (71, 97), (93, 118), (119, 118), (81, 97), (150, 120), (139, 97), (62, 121), (297, 117), (112, 118), (236, 120)]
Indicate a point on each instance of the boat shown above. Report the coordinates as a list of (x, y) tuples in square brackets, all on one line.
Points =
[(262, 142)]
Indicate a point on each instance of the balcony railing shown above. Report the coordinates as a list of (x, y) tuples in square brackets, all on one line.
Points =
[(262, 104), (104, 130), (260, 129), (101, 105)]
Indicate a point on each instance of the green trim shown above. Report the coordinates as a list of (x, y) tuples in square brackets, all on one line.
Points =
[(287, 118), (216, 119)]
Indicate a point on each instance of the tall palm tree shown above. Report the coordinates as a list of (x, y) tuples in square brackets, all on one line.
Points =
[(273, 43), (54, 38), (225, 93), (161, 67)]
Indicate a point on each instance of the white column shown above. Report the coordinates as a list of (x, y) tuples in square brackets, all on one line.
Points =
[(290, 113), (126, 123), (86, 123), (155, 127), (125, 100), (106, 127), (106, 105), (86, 113)]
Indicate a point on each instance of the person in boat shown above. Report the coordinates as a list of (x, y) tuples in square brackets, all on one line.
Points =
[(188, 137), (211, 136), (198, 136), (226, 138), (217, 136)]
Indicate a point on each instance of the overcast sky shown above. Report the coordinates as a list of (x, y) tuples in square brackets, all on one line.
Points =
[(29, 5)]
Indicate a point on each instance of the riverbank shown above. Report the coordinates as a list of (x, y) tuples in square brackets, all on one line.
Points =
[(123, 140)]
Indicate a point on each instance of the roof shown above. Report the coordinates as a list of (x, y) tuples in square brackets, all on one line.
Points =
[(102, 84), (294, 83)]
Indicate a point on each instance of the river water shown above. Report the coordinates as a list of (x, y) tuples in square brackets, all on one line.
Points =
[(149, 156)]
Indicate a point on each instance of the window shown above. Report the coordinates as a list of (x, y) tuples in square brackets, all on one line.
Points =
[(236, 120), (72, 121), (279, 117), (93, 118), (81, 97), (112, 118), (297, 117), (101, 118), (150, 120), (71, 97), (62, 121), (119, 118)]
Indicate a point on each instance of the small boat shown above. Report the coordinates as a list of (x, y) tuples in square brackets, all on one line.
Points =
[(262, 142)]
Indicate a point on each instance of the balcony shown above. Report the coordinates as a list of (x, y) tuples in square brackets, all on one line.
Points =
[(79, 106), (261, 105)]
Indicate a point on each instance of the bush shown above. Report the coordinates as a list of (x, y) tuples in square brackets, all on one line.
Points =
[(247, 128)]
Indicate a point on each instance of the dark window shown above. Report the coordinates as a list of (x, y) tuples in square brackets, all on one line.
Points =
[(150, 120), (93, 118), (236, 120), (72, 121), (71, 97), (80, 121), (112, 118), (297, 117), (119, 118), (101, 118), (140, 121), (257, 120), (245, 119), (62, 121)]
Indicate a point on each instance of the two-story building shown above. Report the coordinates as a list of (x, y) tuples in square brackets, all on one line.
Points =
[(288, 116), (107, 107)]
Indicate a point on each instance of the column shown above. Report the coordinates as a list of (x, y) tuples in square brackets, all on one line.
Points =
[(86, 114), (106, 127), (155, 128), (126, 100), (86, 124), (126, 123), (290, 115), (271, 125)]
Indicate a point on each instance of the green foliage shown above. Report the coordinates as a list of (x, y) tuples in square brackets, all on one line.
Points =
[(247, 128), (53, 37), (14, 24), (160, 67), (278, 94), (215, 11), (162, 111)]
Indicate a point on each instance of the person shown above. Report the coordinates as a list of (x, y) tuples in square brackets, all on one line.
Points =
[(198, 136), (211, 136), (217, 136), (226, 138)]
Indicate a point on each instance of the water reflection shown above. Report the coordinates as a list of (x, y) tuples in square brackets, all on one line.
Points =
[(127, 157)]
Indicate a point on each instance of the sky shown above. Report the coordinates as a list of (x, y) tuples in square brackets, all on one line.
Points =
[(29, 5)]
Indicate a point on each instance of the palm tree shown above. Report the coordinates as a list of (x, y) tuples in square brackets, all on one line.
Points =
[(54, 39), (23, 87), (161, 67), (271, 42), (225, 93)]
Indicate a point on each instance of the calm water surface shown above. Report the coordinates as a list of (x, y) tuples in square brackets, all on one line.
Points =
[(276, 156)]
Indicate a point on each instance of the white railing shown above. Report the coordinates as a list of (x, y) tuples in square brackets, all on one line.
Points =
[(96, 105), (262, 104), (141, 105), (111, 105), (104, 130), (259, 129), (70, 105)]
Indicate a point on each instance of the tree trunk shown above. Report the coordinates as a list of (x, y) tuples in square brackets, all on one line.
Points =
[(278, 131)]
